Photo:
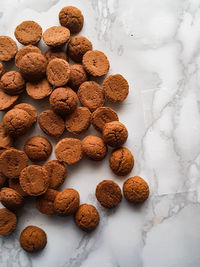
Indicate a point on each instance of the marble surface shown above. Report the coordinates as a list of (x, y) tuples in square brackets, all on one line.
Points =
[(155, 45)]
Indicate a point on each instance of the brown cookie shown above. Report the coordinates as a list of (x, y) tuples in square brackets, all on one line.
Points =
[(57, 173), (45, 203), (114, 133), (28, 32), (12, 162), (39, 89), (7, 101), (58, 72), (96, 63), (68, 150), (8, 48), (2, 70), (51, 123), (34, 180), (77, 47), (93, 147), (87, 217), (33, 239), (77, 76), (3, 179), (11, 199), (56, 36), (79, 121), (38, 149), (115, 88), (91, 95), (6, 140), (63, 100), (108, 194), (67, 202), (12, 83), (52, 53), (29, 109), (103, 115), (14, 184), (33, 66), (71, 18), (25, 50), (8, 221)]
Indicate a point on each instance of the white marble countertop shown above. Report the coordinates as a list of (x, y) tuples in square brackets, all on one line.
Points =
[(156, 45)]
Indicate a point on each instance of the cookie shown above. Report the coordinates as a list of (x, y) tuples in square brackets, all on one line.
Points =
[(8, 221), (136, 190), (68, 150), (8, 48), (103, 115), (3, 180), (7, 101), (12, 83), (33, 66), (51, 123), (34, 180), (28, 32), (25, 50), (52, 53), (71, 18), (29, 109), (2, 70), (87, 217), (39, 89), (108, 194), (63, 100), (11, 199), (94, 148), (38, 149), (14, 184), (58, 72), (45, 203), (96, 63), (115, 88), (91, 95), (114, 133), (67, 202), (33, 239), (77, 47), (57, 173), (6, 140), (121, 161), (56, 36), (77, 76), (12, 162), (79, 121)]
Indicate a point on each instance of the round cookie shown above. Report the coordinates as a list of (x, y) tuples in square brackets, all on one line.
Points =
[(115, 88), (94, 148), (77, 76), (91, 95), (12, 83), (121, 161), (28, 32), (52, 53), (2, 70), (6, 140), (77, 47), (114, 133), (63, 100), (136, 190), (71, 18), (29, 109), (45, 203), (96, 63), (58, 72), (39, 89), (8, 48), (7, 101), (103, 115), (12, 162), (3, 180), (34, 180), (67, 202), (57, 173), (79, 121), (51, 123), (25, 50), (87, 217), (33, 239), (68, 150), (38, 149), (108, 194), (14, 184), (56, 36), (8, 221), (11, 199)]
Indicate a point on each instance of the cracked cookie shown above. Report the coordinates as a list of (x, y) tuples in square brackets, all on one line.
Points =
[(11, 199), (45, 203), (8, 221), (8, 48), (77, 76), (14, 184), (6, 140), (52, 53), (39, 89), (93, 147), (29, 109), (56, 36), (25, 50), (12, 83)]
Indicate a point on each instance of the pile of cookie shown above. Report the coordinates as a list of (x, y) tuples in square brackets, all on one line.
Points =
[(50, 75)]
